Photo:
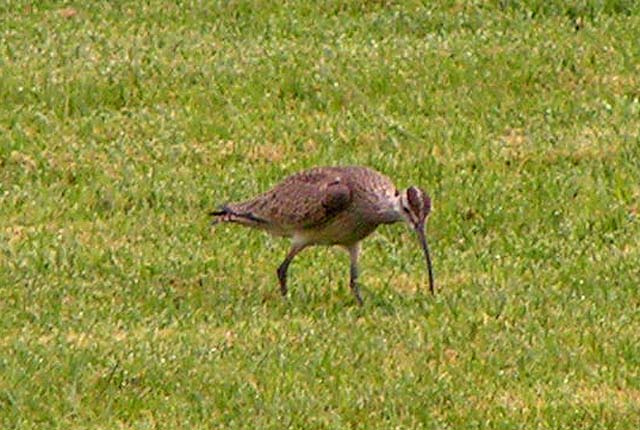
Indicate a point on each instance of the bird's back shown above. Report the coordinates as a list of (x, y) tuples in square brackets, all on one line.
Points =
[(312, 200)]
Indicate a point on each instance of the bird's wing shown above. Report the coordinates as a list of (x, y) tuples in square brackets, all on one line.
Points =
[(304, 200)]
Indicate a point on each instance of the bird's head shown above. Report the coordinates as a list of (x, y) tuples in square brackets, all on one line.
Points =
[(415, 207)]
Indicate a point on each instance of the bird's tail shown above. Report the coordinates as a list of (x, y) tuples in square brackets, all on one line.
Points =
[(227, 214), (220, 215)]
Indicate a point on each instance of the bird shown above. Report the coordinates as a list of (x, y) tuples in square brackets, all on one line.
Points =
[(333, 205)]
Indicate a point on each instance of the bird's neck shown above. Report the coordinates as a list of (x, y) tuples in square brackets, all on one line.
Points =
[(390, 211)]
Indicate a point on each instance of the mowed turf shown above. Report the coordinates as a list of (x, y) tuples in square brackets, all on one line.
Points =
[(123, 123)]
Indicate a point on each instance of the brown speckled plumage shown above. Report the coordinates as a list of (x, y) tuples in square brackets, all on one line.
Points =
[(329, 206)]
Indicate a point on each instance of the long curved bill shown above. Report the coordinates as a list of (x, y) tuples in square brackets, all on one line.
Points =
[(423, 241)]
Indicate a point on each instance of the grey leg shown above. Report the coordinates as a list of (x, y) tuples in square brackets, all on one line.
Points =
[(354, 250), (282, 269)]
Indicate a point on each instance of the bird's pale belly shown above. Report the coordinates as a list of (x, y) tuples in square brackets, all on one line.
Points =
[(345, 229)]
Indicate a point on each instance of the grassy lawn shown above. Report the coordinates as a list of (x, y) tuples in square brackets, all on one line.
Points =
[(122, 123)]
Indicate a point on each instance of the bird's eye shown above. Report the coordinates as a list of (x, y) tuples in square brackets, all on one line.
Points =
[(405, 210)]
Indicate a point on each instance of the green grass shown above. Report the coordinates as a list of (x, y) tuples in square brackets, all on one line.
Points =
[(123, 123)]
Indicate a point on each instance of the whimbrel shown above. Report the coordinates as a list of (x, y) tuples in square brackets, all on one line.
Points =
[(331, 206)]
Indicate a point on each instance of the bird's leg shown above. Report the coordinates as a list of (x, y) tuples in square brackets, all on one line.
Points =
[(354, 250), (282, 269)]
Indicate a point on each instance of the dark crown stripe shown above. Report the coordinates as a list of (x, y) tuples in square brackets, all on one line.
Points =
[(413, 195)]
